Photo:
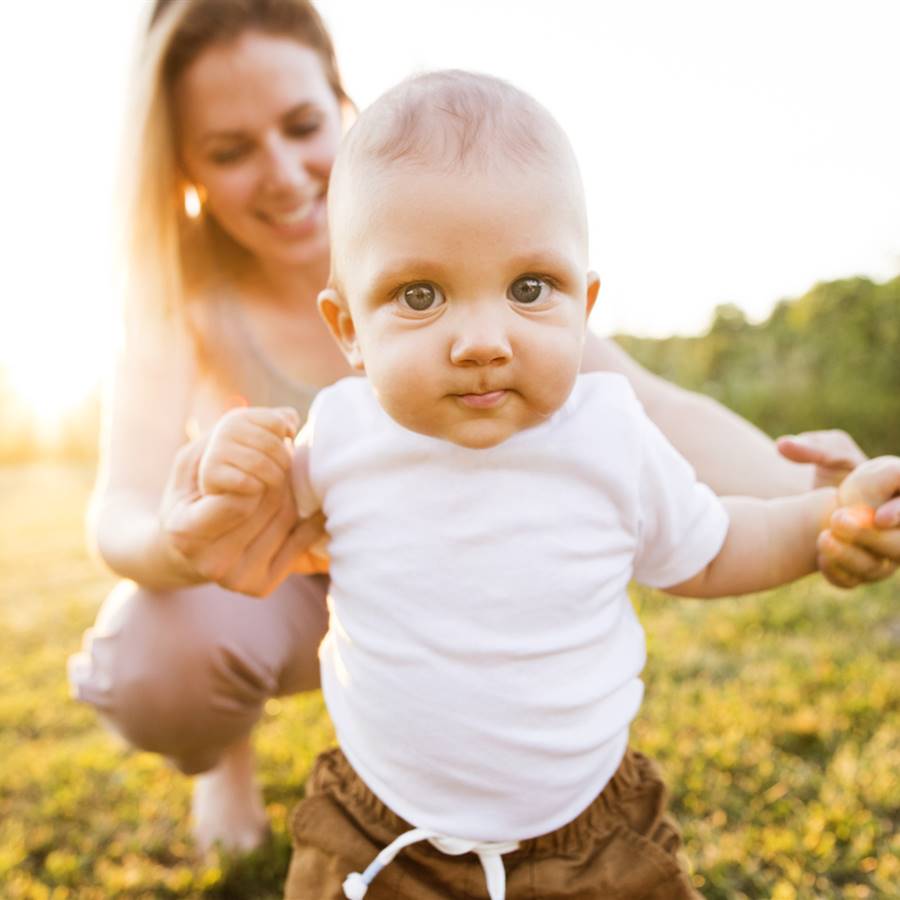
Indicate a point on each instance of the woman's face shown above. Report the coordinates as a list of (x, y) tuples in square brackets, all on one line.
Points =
[(258, 127)]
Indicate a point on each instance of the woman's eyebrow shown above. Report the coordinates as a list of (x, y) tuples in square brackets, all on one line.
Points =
[(233, 134)]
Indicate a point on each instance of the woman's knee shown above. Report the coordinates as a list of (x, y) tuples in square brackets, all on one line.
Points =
[(172, 671)]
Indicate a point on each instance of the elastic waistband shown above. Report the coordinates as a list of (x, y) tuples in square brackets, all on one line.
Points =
[(334, 775)]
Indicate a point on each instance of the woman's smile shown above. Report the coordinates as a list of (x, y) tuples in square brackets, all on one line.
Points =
[(295, 221)]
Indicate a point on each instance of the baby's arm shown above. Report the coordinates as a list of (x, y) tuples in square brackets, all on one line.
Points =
[(772, 542)]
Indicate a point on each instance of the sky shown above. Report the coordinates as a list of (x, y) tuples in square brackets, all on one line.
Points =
[(731, 152)]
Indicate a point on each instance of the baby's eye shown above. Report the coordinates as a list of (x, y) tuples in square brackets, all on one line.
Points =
[(421, 297), (528, 289)]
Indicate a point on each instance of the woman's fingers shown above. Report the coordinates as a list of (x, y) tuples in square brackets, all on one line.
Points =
[(301, 552), (183, 476), (252, 573), (282, 547), (837, 576), (797, 450), (242, 559), (225, 559), (231, 512), (219, 526), (206, 518), (849, 561), (212, 531), (888, 514), (832, 448), (868, 498), (849, 526), (311, 562), (834, 454)]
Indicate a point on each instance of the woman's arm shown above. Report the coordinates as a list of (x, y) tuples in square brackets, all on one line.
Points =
[(145, 414), (149, 520), (727, 452)]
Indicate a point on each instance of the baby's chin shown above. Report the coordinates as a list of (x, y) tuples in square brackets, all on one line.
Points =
[(476, 433), (449, 418), (482, 439)]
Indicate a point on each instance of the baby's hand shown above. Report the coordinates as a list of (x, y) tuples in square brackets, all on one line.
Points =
[(249, 451), (860, 543)]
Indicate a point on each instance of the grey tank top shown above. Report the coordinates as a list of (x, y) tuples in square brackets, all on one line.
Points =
[(244, 365)]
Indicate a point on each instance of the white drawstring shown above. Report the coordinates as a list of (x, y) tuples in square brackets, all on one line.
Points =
[(489, 854)]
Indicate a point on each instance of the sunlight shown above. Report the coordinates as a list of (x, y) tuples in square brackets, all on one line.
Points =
[(46, 394)]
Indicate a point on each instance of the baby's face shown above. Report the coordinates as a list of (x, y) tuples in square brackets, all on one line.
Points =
[(468, 294)]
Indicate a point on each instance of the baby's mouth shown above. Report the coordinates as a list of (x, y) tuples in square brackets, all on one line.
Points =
[(485, 400)]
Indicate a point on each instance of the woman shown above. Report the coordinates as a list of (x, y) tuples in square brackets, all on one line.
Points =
[(239, 109)]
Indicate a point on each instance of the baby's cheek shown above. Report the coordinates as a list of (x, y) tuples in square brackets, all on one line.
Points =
[(404, 397), (554, 372)]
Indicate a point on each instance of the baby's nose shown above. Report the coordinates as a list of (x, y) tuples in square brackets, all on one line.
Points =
[(481, 343)]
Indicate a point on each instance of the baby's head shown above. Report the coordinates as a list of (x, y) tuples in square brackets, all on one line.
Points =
[(459, 276)]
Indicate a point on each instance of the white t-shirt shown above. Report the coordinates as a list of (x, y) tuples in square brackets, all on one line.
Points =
[(483, 658)]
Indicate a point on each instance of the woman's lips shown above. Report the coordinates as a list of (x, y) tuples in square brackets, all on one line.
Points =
[(488, 400), (295, 222)]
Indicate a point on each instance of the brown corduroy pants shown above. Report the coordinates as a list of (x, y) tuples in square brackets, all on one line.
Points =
[(624, 846)]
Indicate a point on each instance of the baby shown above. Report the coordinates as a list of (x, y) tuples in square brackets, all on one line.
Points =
[(487, 508)]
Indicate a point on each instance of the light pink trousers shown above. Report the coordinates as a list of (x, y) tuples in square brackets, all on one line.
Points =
[(186, 673)]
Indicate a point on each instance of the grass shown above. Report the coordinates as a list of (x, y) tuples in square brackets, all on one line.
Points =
[(776, 719)]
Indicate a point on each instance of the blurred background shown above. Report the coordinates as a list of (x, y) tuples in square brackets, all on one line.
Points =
[(741, 168)]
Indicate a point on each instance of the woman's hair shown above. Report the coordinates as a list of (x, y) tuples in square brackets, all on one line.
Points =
[(169, 253)]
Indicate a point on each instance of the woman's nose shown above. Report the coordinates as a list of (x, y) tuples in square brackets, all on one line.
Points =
[(481, 340), (284, 167)]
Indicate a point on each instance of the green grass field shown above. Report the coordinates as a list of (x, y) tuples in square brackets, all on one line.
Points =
[(776, 719)]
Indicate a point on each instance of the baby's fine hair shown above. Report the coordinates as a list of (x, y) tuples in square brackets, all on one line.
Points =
[(449, 122), (454, 120)]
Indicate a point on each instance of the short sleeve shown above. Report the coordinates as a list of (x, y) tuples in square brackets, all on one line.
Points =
[(682, 524)]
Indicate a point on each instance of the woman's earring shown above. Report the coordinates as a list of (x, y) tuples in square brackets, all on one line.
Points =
[(194, 198)]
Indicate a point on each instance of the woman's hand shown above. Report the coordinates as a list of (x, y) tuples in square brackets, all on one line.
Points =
[(245, 542), (833, 453), (856, 547), (862, 542)]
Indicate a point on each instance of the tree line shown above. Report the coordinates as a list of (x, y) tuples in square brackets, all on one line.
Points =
[(829, 359)]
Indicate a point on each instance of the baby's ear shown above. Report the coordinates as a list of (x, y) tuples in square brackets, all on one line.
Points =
[(593, 288), (334, 311)]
